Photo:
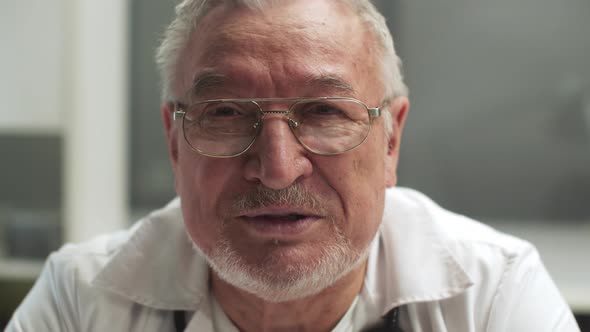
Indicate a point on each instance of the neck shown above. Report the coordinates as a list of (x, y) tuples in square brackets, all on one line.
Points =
[(319, 312)]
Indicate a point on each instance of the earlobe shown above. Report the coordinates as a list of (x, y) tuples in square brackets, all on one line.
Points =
[(167, 111), (391, 160)]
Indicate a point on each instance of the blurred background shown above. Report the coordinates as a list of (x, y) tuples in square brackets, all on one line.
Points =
[(499, 127)]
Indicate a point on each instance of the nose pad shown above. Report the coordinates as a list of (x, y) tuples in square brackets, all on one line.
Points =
[(294, 124)]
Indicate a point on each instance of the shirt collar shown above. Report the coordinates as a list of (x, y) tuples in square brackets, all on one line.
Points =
[(410, 260), (158, 266)]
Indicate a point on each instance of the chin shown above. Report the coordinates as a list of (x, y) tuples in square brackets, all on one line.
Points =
[(285, 274)]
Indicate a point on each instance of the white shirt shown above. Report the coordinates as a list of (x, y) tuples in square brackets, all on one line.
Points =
[(447, 272)]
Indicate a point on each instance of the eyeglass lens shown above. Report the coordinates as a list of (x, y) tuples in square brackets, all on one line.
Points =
[(227, 128)]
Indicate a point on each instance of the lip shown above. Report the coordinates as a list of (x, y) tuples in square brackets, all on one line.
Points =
[(279, 222)]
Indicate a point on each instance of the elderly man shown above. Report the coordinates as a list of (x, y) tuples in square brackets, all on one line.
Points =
[(283, 121)]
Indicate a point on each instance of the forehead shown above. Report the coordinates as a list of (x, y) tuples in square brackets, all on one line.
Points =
[(300, 40)]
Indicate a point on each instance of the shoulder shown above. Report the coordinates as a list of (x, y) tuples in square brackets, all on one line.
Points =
[(482, 252), (64, 297), (506, 273), (454, 244), (89, 256), (86, 259), (459, 233), (81, 262), (53, 304)]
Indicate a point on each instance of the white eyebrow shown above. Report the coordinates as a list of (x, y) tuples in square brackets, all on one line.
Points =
[(210, 80), (333, 83), (206, 81)]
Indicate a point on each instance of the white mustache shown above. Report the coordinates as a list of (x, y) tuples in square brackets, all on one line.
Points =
[(293, 196)]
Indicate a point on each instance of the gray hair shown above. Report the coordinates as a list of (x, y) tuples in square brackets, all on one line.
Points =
[(189, 14)]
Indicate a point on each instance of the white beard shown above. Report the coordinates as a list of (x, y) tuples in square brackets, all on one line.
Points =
[(275, 281), (281, 279)]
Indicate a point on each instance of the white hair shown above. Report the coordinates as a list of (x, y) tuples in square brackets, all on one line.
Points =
[(189, 14)]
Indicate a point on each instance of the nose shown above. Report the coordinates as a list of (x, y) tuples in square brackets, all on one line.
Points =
[(276, 159)]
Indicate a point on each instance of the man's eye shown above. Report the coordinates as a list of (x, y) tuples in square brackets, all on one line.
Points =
[(223, 111), (323, 109)]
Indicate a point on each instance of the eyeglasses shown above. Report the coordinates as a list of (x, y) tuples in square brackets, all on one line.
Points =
[(224, 128)]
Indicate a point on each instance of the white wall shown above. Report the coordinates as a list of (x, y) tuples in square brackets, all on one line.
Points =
[(31, 65), (96, 123), (64, 72)]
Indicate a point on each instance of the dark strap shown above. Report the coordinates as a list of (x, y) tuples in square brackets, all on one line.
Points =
[(179, 320), (388, 323)]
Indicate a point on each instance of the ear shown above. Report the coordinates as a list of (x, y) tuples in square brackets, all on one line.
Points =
[(171, 129), (398, 109)]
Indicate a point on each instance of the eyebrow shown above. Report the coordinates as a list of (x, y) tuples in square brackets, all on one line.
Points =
[(210, 80), (207, 81), (334, 84)]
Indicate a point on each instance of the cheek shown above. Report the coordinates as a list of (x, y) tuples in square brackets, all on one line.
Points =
[(365, 188), (369, 198), (369, 166), (194, 204), (200, 184)]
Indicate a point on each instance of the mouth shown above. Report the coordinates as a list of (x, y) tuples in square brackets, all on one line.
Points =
[(279, 222), (276, 218)]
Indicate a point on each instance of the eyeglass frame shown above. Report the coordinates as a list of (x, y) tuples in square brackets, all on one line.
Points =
[(180, 112)]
